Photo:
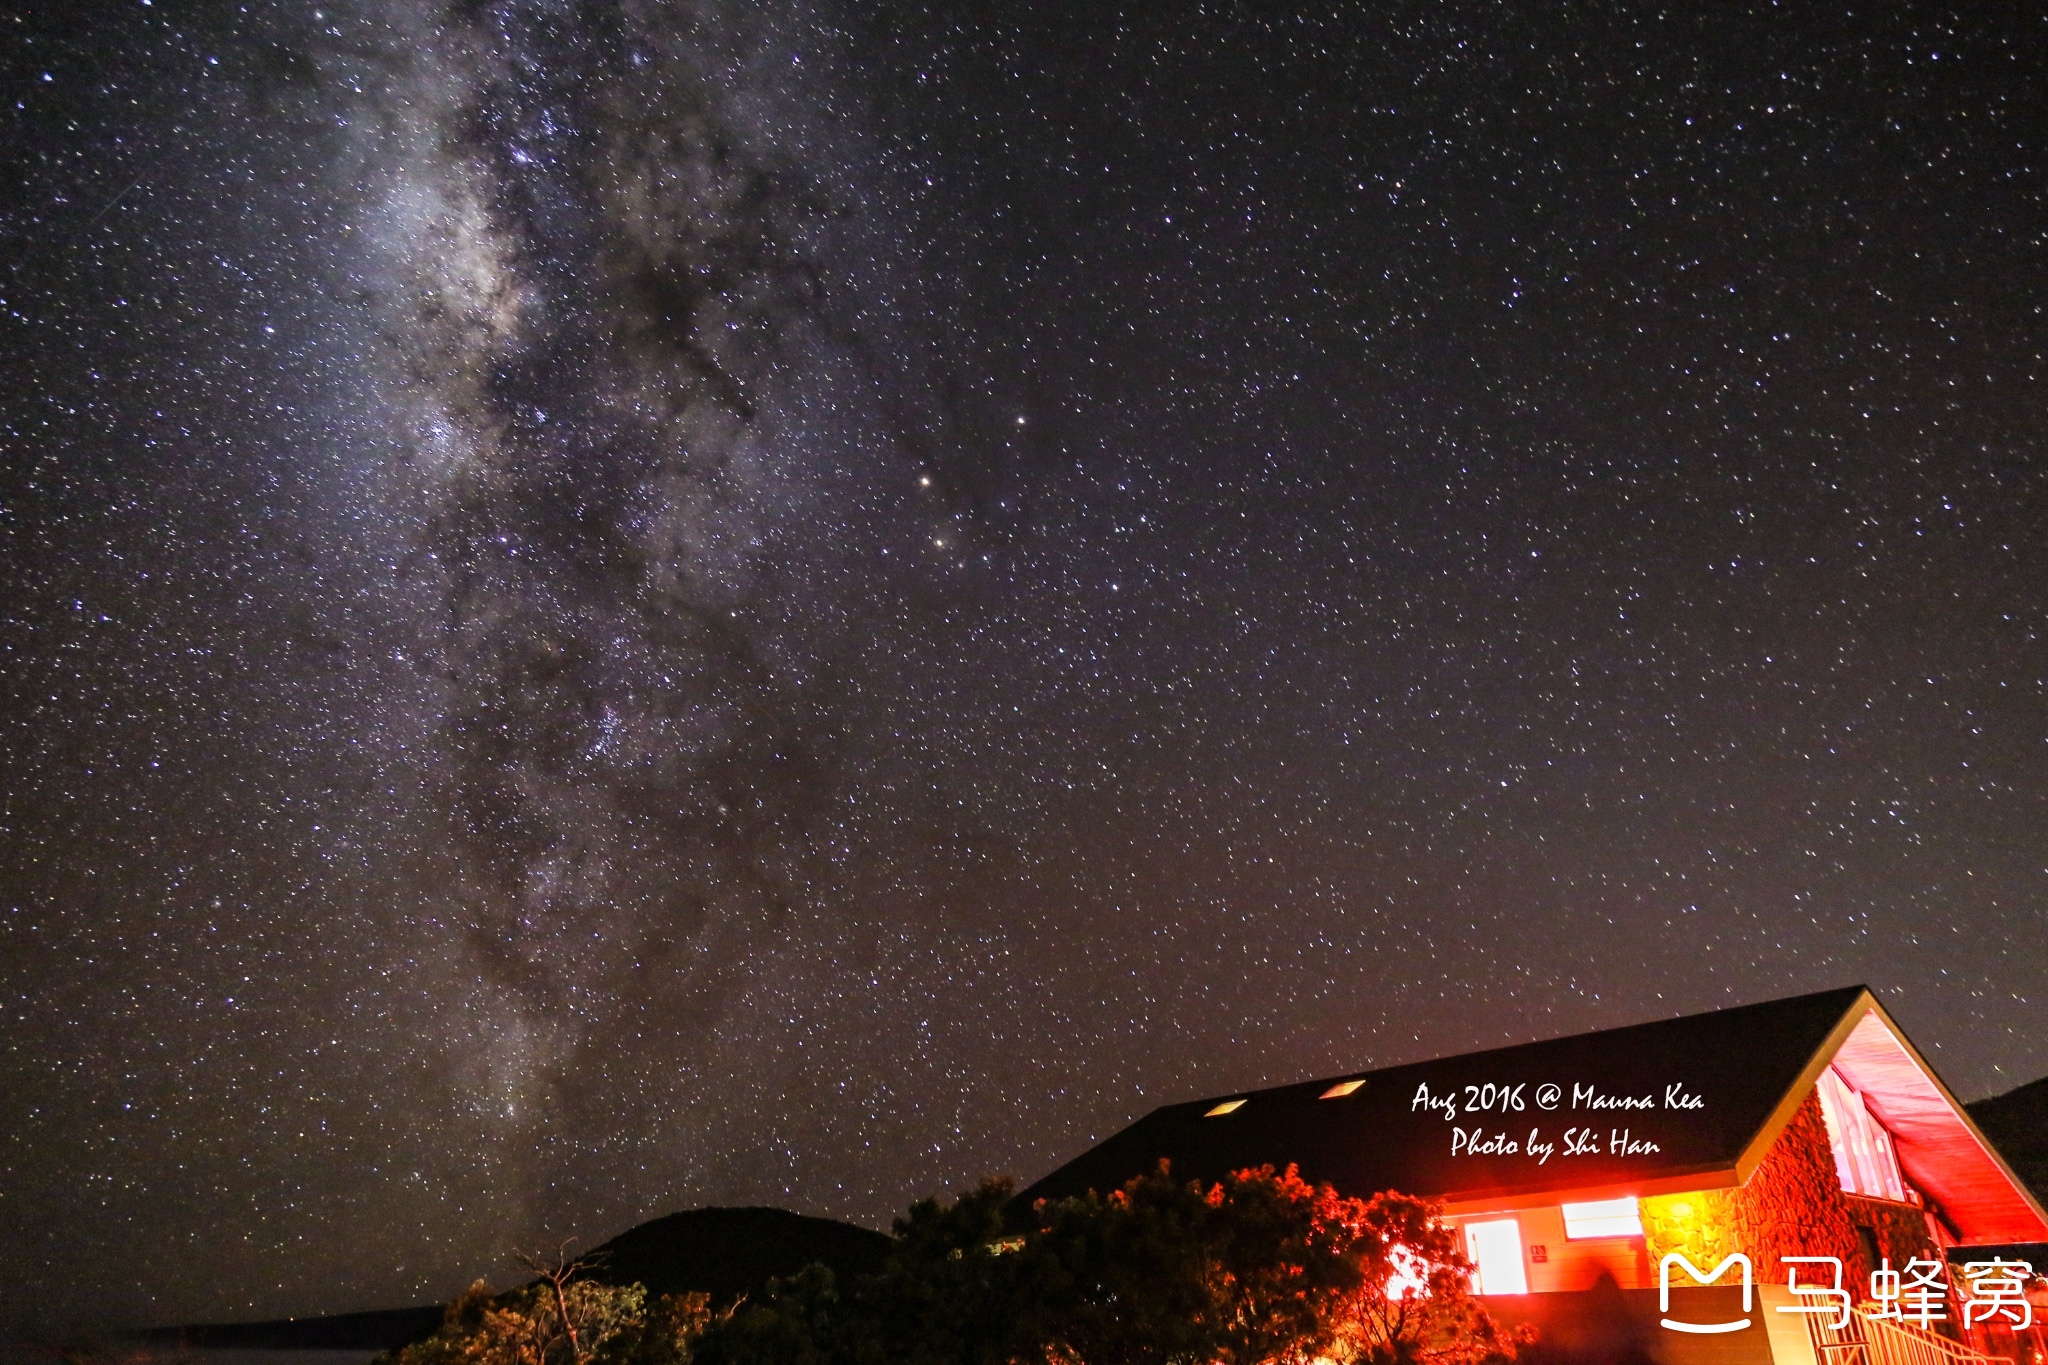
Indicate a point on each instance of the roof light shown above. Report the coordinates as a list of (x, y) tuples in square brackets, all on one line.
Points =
[(1340, 1090), (1604, 1218), (1227, 1107)]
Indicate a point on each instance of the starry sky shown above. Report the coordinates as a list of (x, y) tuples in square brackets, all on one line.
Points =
[(620, 604)]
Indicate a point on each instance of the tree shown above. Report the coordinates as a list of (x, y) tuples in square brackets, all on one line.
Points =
[(1258, 1269), (1413, 1301), (1261, 1268), (562, 1317), (797, 1322), (1133, 1278), (599, 1315), (949, 1293), (666, 1334)]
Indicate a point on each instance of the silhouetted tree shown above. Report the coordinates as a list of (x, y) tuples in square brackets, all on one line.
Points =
[(798, 1322), (1260, 1269), (561, 1318)]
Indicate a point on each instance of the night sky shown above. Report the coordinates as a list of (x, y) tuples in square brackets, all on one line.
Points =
[(611, 606)]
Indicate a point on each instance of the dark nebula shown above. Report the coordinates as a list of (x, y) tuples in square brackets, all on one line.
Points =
[(616, 606)]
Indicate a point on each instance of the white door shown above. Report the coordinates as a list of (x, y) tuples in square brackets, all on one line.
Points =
[(1495, 1247)]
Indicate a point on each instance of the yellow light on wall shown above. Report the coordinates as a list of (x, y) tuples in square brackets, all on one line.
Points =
[(1227, 1107), (1604, 1218), (1340, 1090)]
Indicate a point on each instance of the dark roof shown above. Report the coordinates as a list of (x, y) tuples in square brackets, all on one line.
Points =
[(1741, 1064)]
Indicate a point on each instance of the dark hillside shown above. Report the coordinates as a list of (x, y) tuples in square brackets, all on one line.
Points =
[(375, 1329), (730, 1252), (2017, 1124), (723, 1252)]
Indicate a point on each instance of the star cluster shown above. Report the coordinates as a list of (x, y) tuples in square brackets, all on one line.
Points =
[(623, 605)]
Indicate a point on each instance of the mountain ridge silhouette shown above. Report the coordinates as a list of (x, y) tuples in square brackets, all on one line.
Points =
[(720, 1251)]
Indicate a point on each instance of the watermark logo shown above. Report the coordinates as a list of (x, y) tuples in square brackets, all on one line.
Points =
[(1704, 1277), (1917, 1293), (1998, 1289), (1828, 1298)]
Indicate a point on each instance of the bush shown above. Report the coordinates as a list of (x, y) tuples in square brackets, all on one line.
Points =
[(1260, 1269), (575, 1322)]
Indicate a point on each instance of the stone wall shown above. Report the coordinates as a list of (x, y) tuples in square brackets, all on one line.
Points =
[(1792, 1205), (1901, 1231)]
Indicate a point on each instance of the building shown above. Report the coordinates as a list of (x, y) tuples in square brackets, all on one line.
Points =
[(1581, 1169)]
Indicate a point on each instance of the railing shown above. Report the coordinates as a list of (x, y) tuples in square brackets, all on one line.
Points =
[(1844, 1345), (1867, 1339), (1898, 1343)]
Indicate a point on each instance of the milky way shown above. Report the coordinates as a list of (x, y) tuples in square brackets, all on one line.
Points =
[(608, 284), (618, 606)]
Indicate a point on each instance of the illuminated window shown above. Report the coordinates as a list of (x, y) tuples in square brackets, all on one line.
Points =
[(1603, 1218), (1340, 1090), (1227, 1107), (1496, 1249), (1864, 1158)]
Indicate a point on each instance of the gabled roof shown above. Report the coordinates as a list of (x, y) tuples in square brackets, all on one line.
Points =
[(1706, 1096), (1939, 1145)]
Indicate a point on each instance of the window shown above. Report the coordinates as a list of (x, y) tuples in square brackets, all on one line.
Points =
[(1496, 1249), (1603, 1218), (1864, 1159), (1340, 1090), (1227, 1107), (1866, 1242)]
